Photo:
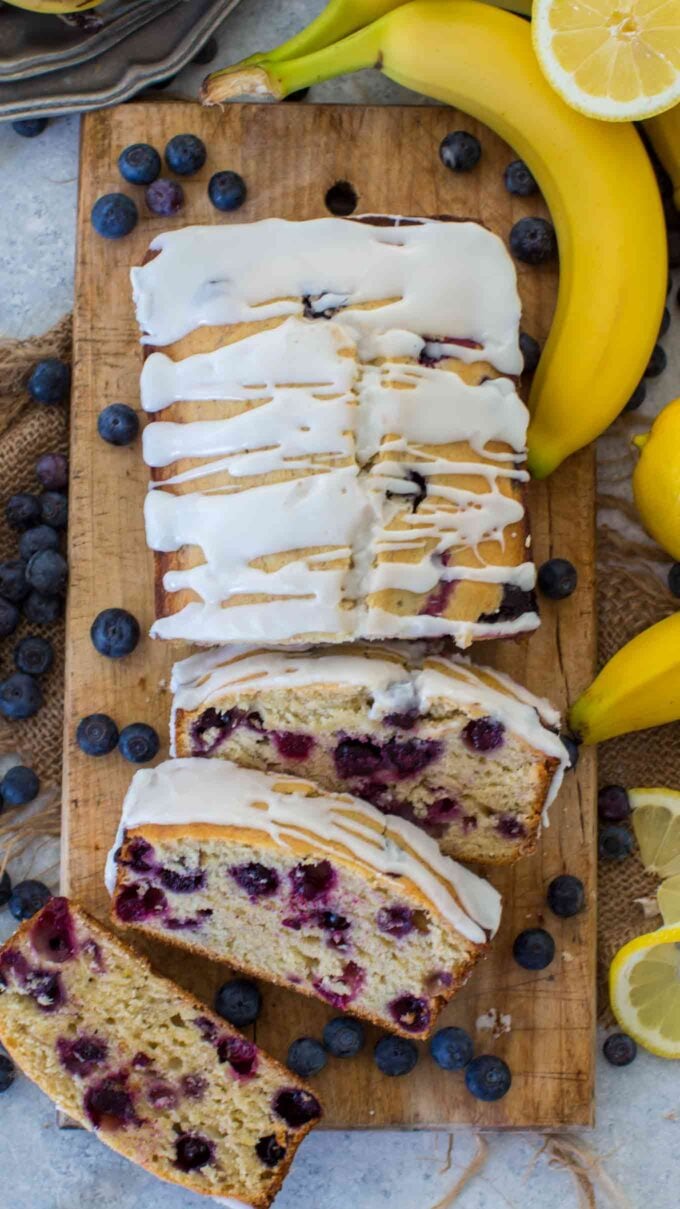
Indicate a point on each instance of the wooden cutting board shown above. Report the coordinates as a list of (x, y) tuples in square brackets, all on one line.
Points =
[(290, 155)]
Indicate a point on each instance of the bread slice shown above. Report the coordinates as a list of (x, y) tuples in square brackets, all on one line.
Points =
[(161, 1079), (319, 893), (460, 750)]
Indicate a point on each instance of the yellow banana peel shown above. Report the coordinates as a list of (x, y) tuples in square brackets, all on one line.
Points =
[(664, 132), (656, 479), (55, 7)]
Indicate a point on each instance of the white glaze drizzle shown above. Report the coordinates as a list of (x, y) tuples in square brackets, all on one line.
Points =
[(219, 792)]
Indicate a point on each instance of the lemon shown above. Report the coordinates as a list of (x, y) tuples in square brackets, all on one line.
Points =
[(618, 60), (668, 898), (656, 823), (656, 478), (644, 989)]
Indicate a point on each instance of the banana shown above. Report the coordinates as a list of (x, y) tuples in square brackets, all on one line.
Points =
[(55, 7), (596, 179), (664, 131), (639, 687)]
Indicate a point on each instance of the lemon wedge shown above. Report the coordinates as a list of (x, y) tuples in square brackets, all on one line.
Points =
[(656, 823), (618, 60), (668, 898), (644, 989)]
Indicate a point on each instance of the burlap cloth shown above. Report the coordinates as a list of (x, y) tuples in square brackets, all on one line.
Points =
[(632, 594)]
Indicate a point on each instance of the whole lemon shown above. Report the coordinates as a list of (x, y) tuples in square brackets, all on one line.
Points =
[(656, 480)]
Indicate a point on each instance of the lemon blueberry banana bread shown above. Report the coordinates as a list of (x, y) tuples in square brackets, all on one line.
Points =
[(460, 750), (336, 443), (317, 892), (160, 1078)]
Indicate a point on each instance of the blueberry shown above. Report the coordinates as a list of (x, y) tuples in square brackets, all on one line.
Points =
[(52, 471), (258, 881), (165, 197), (488, 1077), (13, 584), (29, 128), (114, 215), (50, 381), (533, 241), (566, 896), (395, 1056), (185, 154), (531, 352), (613, 805), (533, 949), (674, 579), (42, 537), (269, 1151), (519, 180), (138, 743), (460, 151), (637, 398), (306, 1057), (27, 898), (22, 511), (657, 362), (5, 889), (296, 1106), (97, 735), (239, 1002), (193, 1151), (619, 1049), (665, 322), (614, 843), (118, 424), (54, 509), (19, 786), (227, 190), (20, 696), (139, 164), (42, 610), (33, 655), (451, 1048), (7, 1072), (207, 52), (571, 746), (47, 572), (114, 633), (483, 734), (557, 578), (9, 617), (343, 1036)]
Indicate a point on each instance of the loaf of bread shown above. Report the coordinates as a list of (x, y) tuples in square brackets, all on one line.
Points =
[(317, 892), (160, 1078), (460, 750), (336, 441)]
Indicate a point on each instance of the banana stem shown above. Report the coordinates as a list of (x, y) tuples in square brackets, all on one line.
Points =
[(640, 440), (338, 19)]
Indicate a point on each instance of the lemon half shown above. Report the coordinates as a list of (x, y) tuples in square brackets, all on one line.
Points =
[(668, 898), (656, 823), (644, 989), (618, 60)]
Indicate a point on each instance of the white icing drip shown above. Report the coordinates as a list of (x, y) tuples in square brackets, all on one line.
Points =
[(221, 793), (446, 279)]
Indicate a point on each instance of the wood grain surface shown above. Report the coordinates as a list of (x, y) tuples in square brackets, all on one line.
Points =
[(289, 156)]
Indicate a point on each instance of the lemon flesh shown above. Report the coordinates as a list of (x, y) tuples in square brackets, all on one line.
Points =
[(668, 898), (618, 60), (656, 823), (644, 988)]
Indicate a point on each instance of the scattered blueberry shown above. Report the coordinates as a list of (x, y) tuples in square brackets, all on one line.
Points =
[(9, 617), (5, 889), (29, 128), (460, 151), (239, 1002), (571, 746), (665, 322), (118, 424), (52, 471), (22, 511), (488, 1077), (114, 633), (42, 610), (50, 381), (27, 898), (395, 1055), (306, 1057), (615, 843), (533, 949), (33, 655), (519, 180), (7, 1072), (97, 735), (533, 241), (185, 154), (557, 578), (619, 1049), (207, 52), (566, 896), (114, 215), (657, 362), (13, 584), (343, 1036), (531, 352), (674, 579), (19, 786), (637, 398), (164, 197), (33, 541), (139, 164), (47, 572), (227, 190), (20, 696), (613, 805), (451, 1048), (138, 743), (54, 509)]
